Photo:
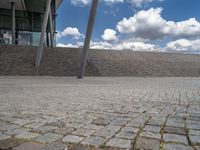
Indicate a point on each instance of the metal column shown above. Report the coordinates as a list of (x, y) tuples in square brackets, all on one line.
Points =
[(51, 28), (13, 22), (44, 26), (84, 51)]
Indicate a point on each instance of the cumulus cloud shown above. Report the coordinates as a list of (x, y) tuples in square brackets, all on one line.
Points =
[(66, 45), (188, 28), (149, 24), (124, 45), (80, 2), (139, 3), (183, 45), (136, 46), (109, 35), (70, 31), (100, 45)]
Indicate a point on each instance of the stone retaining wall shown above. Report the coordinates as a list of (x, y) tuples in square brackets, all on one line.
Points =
[(19, 61)]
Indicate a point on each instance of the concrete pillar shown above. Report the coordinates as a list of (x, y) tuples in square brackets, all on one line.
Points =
[(42, 36), (13, 22), (84, 51), (51, 28)]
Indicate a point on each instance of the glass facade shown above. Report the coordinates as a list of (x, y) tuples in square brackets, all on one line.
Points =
[(28, 23)]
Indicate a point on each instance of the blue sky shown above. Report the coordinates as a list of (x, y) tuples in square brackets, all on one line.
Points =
[(164, 25)]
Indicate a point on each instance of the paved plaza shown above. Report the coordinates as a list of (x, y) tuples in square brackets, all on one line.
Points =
[(64, 113)]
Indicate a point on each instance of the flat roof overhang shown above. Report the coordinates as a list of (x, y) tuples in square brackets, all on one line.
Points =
[(19, 4), (39, 5), (28, 5)]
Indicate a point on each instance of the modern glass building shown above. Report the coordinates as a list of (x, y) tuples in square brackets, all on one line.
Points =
[(21, 21)]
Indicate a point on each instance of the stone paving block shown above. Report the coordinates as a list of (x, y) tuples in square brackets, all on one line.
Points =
[(3, 136), (101, 121), (130, 129), (27, 135), (152, 135), (83, 132), (8, 127), (50, 120), (59, 124), (120, 121), (150, 128), (136, 123), (48, 138), (72, 139), (194, 132), (44, 129), (54, 146), (191, 122), (74, 125), (22, 122), (94, 141), (64, 130), (111, 128), (174, 130), (84, 120), (175, 124), (34, 125), (7, 144), (29, 146), (126, 135), (170, 146), (16, 131), (7, 118), (156, 122), (146, 143), (195, 139), (80, 147), (175, 138), (93, 127), (194, 127), (119, 143), (105, 133)]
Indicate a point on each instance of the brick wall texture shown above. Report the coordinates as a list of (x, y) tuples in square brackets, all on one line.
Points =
[(19, 61)]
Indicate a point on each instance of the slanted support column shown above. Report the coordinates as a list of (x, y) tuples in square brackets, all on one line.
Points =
[(84, 51), (47, 38), (51, 28), (13, 22), (42, 36)]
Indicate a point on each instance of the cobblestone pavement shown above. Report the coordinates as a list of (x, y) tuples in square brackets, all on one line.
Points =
[(57, 113)]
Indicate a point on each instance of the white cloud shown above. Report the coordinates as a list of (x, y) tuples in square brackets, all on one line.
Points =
[(100, 45), (80, 2), (136, 46), (109, 35), (87, 2), (113, 1), (66, 45), (149, 24), (139, 3), (135, 3), (190, 27), (145, 24), (70, 31), (125, 45), (183, 45)]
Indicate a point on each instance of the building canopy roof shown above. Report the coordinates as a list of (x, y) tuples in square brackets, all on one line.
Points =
[(20, 5), (28, 5)]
